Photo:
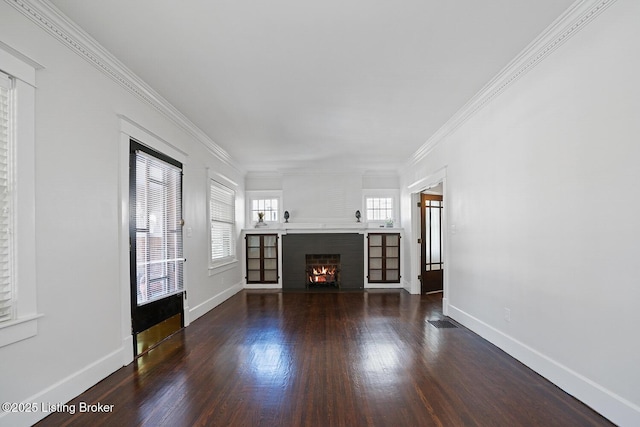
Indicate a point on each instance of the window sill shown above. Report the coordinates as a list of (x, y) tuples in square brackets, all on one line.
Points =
[(222, 266), (19, 329)]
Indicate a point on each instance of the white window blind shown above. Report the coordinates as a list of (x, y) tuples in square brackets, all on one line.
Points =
[(222, 211), (6, 205), (158, 210)]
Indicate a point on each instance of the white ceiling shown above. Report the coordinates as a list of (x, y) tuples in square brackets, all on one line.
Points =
[(299, 84)]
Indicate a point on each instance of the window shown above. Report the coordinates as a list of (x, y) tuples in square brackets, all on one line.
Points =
[(267, 206), (6, 203), (18, 309), (268, 202), (222, 215), (379, 208), (158, 225)]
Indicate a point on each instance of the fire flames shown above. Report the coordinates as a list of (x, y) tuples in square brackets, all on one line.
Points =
[(322, 274)]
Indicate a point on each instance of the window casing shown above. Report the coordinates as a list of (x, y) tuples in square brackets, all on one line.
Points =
[(267, 201), (379, 208), (19, 320), (223, 226), (6, 203), (269, 207)]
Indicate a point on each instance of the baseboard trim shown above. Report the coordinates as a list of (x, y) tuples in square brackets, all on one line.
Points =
[(127, 350), (66, 389), (262, 286), (383, 286), (617, 409), (214, 301), (407, 287), (77, 383)]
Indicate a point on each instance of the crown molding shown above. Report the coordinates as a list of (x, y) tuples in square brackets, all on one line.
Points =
[(579, 14), (51, 19)]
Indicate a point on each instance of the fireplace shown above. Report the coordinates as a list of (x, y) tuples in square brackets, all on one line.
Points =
[(347, 247), (323, 270)]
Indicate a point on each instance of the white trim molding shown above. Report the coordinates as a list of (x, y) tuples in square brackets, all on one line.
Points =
[(129, 129), (610, 405), (24, 321), (574, 19), (48, 17), (65, 389), (415, 188), (208, 305)]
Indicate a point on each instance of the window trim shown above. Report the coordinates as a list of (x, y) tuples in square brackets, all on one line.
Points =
[(252, 195), (226, 263), (24, 323), (394, 195)]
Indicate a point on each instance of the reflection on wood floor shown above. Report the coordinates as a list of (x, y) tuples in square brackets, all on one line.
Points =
[(267, 358)]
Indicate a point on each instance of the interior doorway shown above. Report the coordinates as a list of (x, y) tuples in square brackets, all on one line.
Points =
[(431, 241)]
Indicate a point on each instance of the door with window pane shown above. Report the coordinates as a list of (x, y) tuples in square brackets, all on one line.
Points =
[(262, 258), (431, 243), (384, 258), (157, 259)]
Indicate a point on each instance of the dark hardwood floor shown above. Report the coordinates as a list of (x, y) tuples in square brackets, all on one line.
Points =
[(266, 358)]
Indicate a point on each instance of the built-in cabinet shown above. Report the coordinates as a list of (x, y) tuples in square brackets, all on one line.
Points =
[(275, 258), (383, 257), (262, 258)]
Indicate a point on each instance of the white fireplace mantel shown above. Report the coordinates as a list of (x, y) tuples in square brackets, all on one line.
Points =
[(318, 227)]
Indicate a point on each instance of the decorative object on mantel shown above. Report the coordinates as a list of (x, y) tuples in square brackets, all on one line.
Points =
[(261, 222), (358, 216), (389, 223), (286, 216)]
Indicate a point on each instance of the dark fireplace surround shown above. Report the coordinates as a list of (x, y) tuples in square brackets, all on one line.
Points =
[(300, 250)]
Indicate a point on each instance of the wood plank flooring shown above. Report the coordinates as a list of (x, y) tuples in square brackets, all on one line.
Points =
[(267, 358)]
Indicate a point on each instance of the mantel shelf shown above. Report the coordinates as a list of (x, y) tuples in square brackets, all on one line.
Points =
[(293, 228)]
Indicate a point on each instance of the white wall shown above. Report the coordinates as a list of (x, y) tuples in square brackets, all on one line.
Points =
[(541, 188), (78, 223), (322, 196)]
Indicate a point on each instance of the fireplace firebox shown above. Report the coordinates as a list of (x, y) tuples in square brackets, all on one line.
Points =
[(323, 270)]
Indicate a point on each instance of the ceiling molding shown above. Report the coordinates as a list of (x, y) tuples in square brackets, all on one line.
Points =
[(48, 17), (581, 13)]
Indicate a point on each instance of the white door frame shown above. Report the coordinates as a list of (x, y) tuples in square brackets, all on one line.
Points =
[(131, 130), (430, 181)]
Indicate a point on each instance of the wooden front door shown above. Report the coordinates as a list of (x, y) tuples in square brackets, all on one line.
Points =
[(432, 262)]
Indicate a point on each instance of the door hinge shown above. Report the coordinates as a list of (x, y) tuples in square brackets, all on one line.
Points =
[(419, 204), (419, 241)]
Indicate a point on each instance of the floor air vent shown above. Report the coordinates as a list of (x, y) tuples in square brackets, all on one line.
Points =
[(442, 324)]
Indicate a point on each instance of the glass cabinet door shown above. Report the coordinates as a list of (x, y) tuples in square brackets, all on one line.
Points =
[(384, 258), (262, 258)]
